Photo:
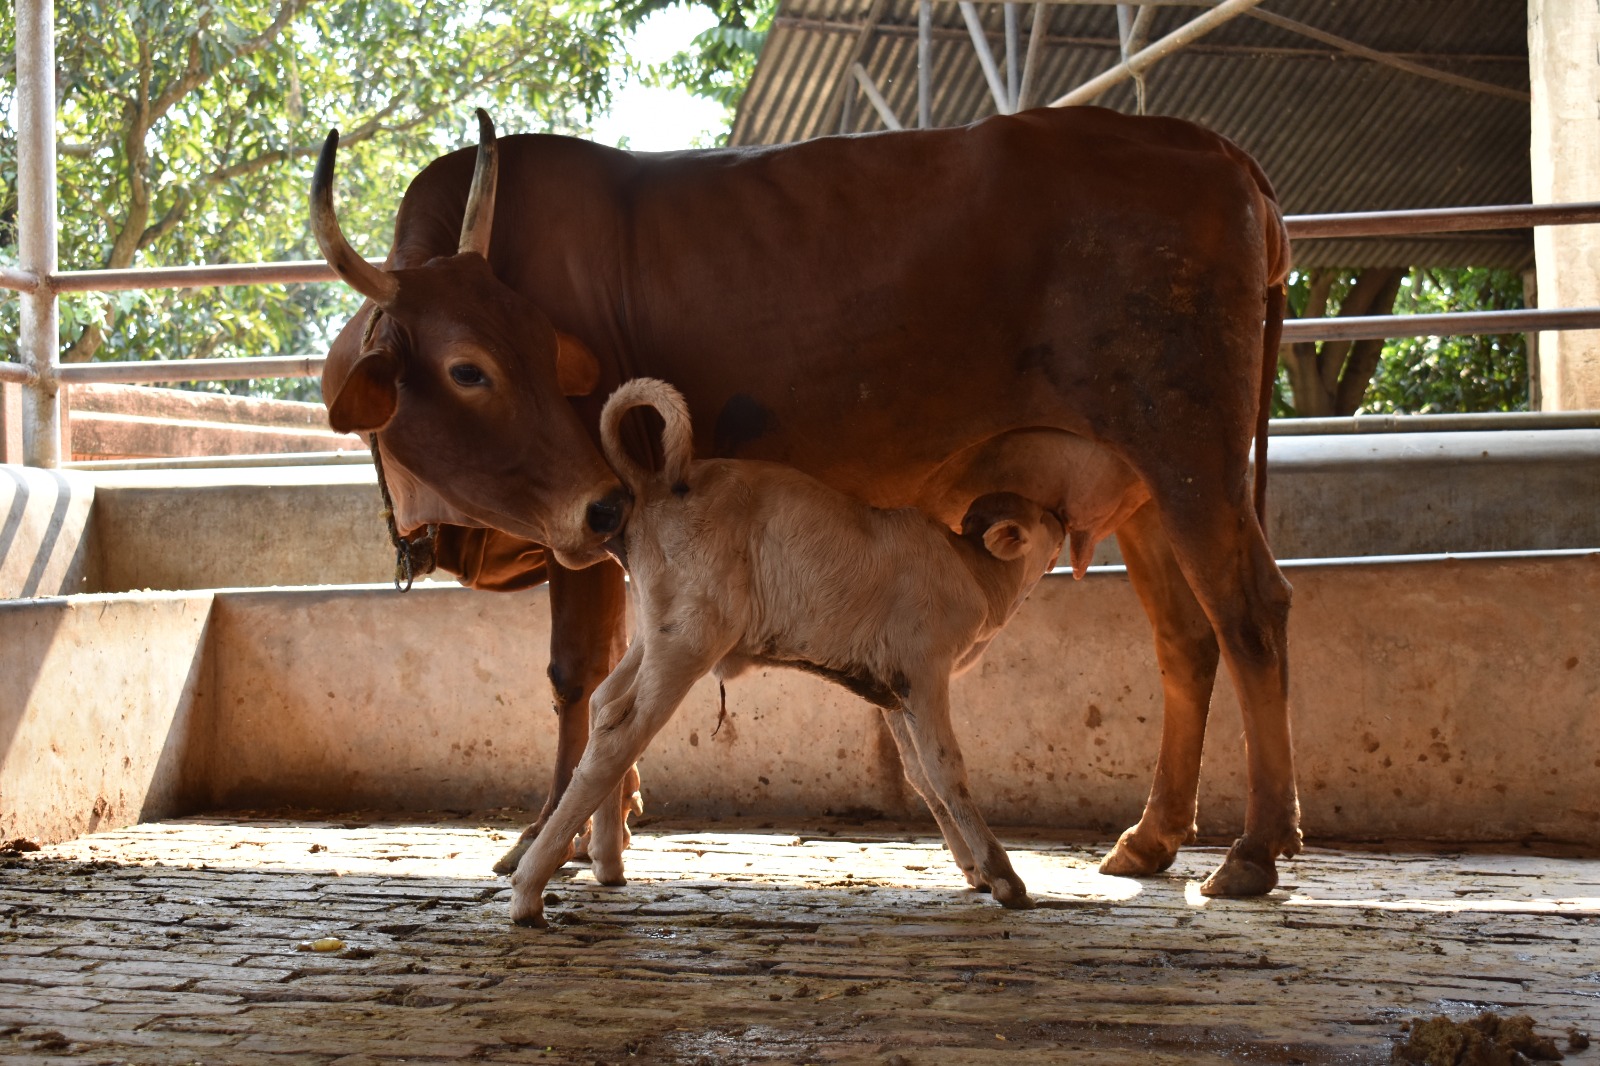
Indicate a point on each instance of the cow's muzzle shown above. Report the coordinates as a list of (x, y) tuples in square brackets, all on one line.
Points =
[(605, 515)]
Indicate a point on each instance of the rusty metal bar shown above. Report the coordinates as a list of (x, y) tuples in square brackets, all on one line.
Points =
[(1452, 324), (1440, 220), (145, 372), (17, 374), (36, 228), (18, 280), (1145, 57)]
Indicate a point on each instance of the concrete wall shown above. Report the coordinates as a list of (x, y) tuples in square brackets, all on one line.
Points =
[(45, 543), (139, 421), (235, 528), (99, 698), (1449, 699)]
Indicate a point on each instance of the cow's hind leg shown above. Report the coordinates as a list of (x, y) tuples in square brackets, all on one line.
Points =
[(927, 719), (1223, 553), (1186, 649), (911, 763), (631, 707), (587, 636)]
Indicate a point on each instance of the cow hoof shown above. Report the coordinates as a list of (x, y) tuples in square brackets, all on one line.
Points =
[(1241, 876), (1132, 858)]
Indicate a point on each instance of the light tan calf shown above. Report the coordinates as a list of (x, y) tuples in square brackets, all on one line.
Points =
[(738, 563)]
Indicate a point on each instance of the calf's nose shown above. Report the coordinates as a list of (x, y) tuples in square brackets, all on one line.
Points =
[(605, 515)]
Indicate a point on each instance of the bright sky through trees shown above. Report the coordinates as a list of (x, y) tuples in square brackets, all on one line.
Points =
[(657, 119)]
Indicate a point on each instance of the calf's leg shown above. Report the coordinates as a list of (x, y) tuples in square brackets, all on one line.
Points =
[(587, 635), (911, 763), (937, 750), (631, 707)]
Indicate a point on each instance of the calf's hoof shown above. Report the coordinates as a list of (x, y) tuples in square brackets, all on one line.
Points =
[(1013, 896), (508, 862), (608, 871), (528, 913), (1248, 870), (1135, 857)]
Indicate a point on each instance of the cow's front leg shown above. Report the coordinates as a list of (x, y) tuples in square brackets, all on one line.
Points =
[(587, 637)]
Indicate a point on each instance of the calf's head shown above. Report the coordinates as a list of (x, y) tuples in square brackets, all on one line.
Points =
[(1019, 534), (465, 383)]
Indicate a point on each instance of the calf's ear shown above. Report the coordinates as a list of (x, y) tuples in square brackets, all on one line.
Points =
[(577, 369), (1006, 540), (367, 399)]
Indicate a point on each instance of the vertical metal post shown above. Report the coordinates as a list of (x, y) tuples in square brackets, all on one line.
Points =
[(980, 44), (1030, 65), (1013, 54), (925, 64), (36, 227)]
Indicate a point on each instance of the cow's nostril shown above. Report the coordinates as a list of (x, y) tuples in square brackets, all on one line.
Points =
[(605, 515)]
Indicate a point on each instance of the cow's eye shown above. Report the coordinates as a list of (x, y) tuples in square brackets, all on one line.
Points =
[(467, 375)]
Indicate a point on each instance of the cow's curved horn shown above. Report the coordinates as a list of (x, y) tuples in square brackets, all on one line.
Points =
[(479, 219), (377, 285)]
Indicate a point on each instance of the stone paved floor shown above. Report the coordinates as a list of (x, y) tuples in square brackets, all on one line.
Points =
[(179, 942)]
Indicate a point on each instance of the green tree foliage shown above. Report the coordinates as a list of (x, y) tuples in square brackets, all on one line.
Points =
[(1435, 375), (1409, 375), (719, 62), (186, 130)]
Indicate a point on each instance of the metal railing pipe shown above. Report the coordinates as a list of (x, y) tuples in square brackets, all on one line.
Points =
[(205, 275), (146, 372), (17, 374), (36, 228), (1451, 423), (1452, 324), (1440, 220), (18, 280)]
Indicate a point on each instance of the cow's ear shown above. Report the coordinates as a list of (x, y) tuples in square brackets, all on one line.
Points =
[(577, 369), (367, 399), (1006, 540)]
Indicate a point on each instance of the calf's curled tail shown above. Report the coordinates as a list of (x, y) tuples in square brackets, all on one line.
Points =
[(677, 434)]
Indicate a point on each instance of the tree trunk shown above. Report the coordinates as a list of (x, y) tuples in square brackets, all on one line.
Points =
[(1330, 378)]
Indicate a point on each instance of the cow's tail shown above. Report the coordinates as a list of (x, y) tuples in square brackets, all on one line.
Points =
[(677, 434), (1276, 239)]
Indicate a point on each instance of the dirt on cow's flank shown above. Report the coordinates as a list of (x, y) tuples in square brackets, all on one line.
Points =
[(1486, 1040)]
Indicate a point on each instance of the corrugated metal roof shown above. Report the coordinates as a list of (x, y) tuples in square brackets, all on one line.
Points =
[(1334, 132)]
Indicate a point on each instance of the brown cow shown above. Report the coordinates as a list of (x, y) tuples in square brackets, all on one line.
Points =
[(915, 318), (737, 563)]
